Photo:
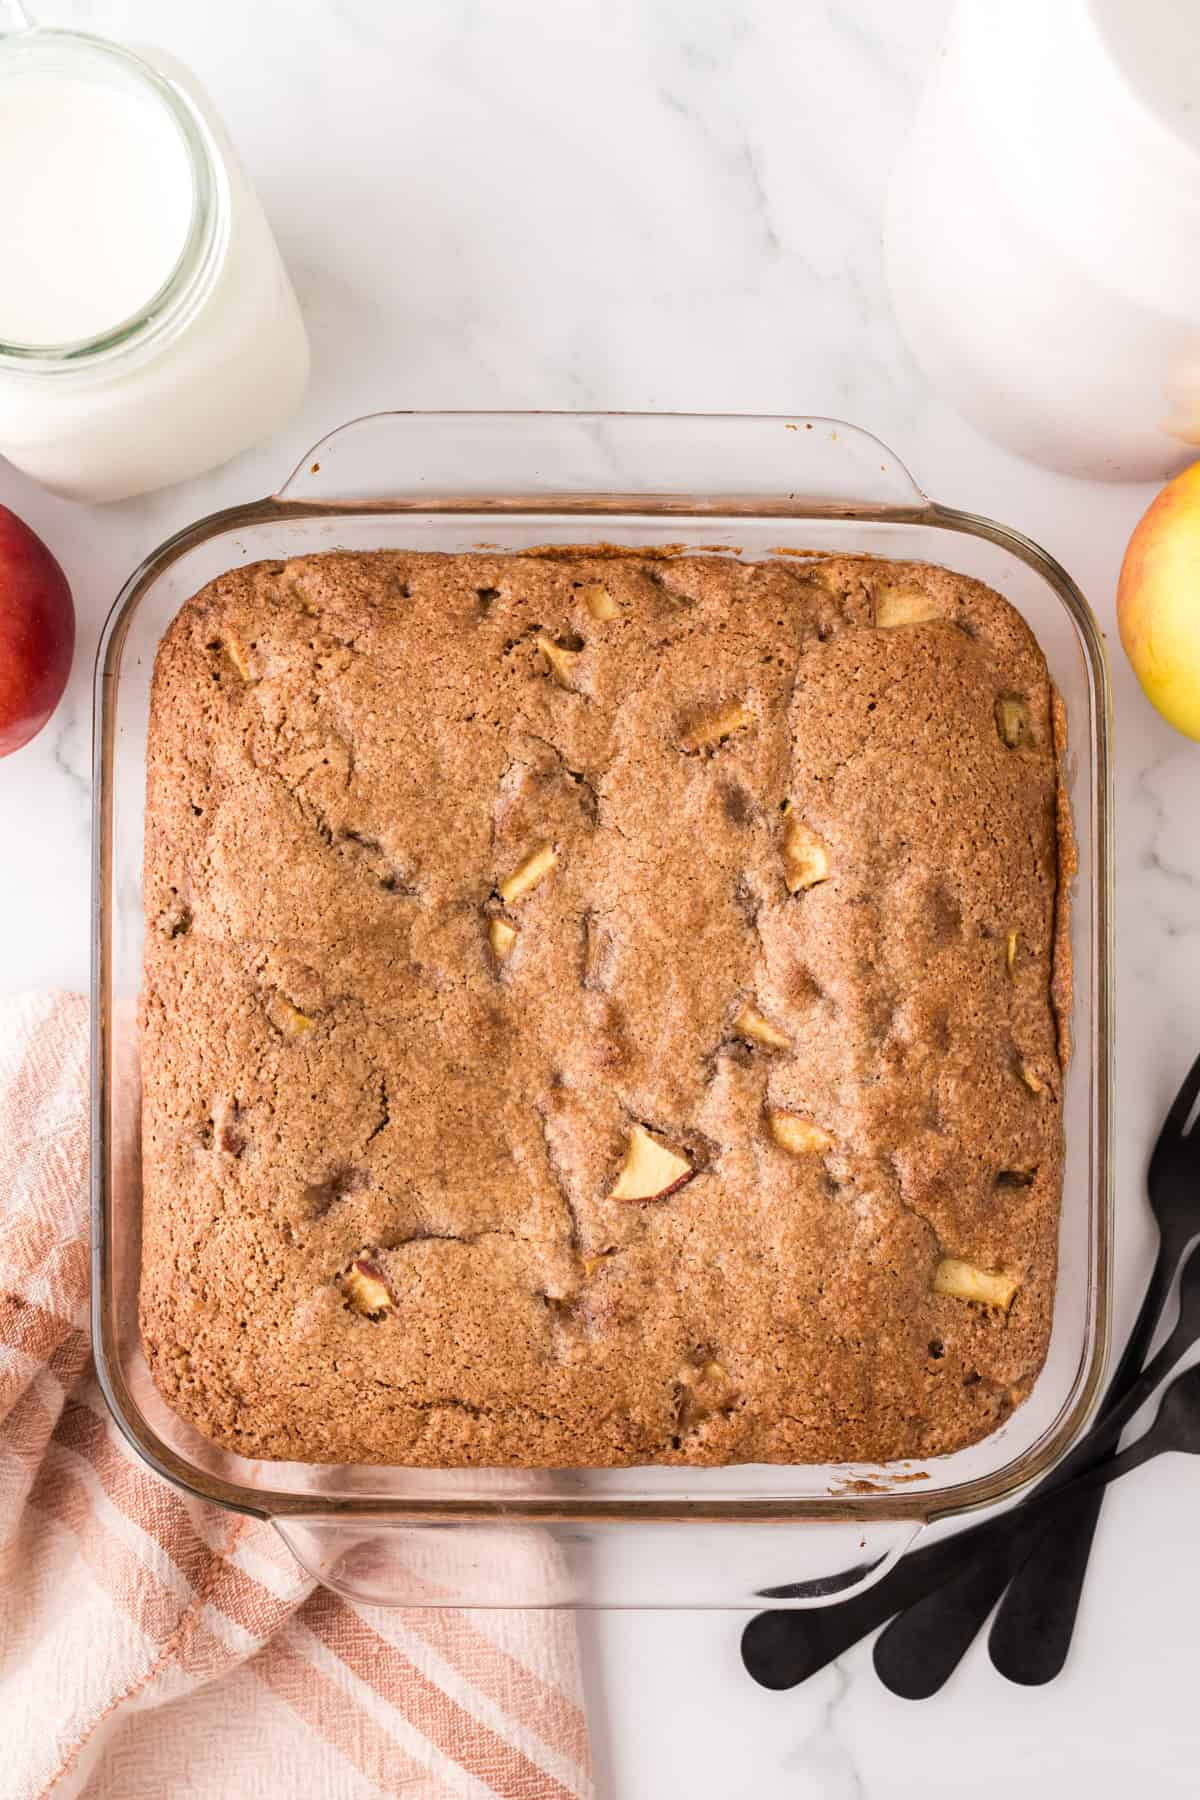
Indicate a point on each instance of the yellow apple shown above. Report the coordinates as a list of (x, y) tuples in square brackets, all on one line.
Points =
[(1158, 602)]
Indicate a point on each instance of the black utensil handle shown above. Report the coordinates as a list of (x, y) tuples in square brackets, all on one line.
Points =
[(1031, 1634), (780, 1649), (1032, 1631), (921, 1648), (1154, 1301)]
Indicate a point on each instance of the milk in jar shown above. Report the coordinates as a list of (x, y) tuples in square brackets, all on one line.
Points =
[(148, 329)]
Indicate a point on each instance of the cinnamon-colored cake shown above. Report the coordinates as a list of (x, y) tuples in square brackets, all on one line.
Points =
[(600, 1009)]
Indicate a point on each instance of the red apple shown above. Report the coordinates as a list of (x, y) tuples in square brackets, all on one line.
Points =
[(37, 633)]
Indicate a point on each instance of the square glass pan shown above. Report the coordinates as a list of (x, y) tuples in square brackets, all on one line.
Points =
[(728, 486)]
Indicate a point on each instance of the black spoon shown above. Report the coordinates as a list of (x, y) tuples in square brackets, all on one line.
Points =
[(1031, 1633), (923, 1646), (782, 1649)]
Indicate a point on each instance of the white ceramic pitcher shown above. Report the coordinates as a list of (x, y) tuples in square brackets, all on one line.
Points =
[(1043, 230)]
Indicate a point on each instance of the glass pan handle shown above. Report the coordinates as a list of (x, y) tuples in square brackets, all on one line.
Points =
[(596, 462), (382, 1561)]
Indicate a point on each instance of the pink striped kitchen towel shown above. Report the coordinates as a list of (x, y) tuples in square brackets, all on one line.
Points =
[(152, 1648)]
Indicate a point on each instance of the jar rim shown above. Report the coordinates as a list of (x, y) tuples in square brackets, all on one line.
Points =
[(162, 314)]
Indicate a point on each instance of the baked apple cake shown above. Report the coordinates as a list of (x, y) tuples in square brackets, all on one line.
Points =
[(601, 1009)]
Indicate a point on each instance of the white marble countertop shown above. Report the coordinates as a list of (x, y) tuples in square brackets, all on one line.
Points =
[(672, 204)]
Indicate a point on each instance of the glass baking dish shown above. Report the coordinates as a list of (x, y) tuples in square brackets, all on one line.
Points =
[(734, 487)]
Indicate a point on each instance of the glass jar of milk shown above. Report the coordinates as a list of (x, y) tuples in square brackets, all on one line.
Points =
[(148, 329), (1043, 232)]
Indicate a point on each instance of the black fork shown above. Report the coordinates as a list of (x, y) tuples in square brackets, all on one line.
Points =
[(971, 1568)]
